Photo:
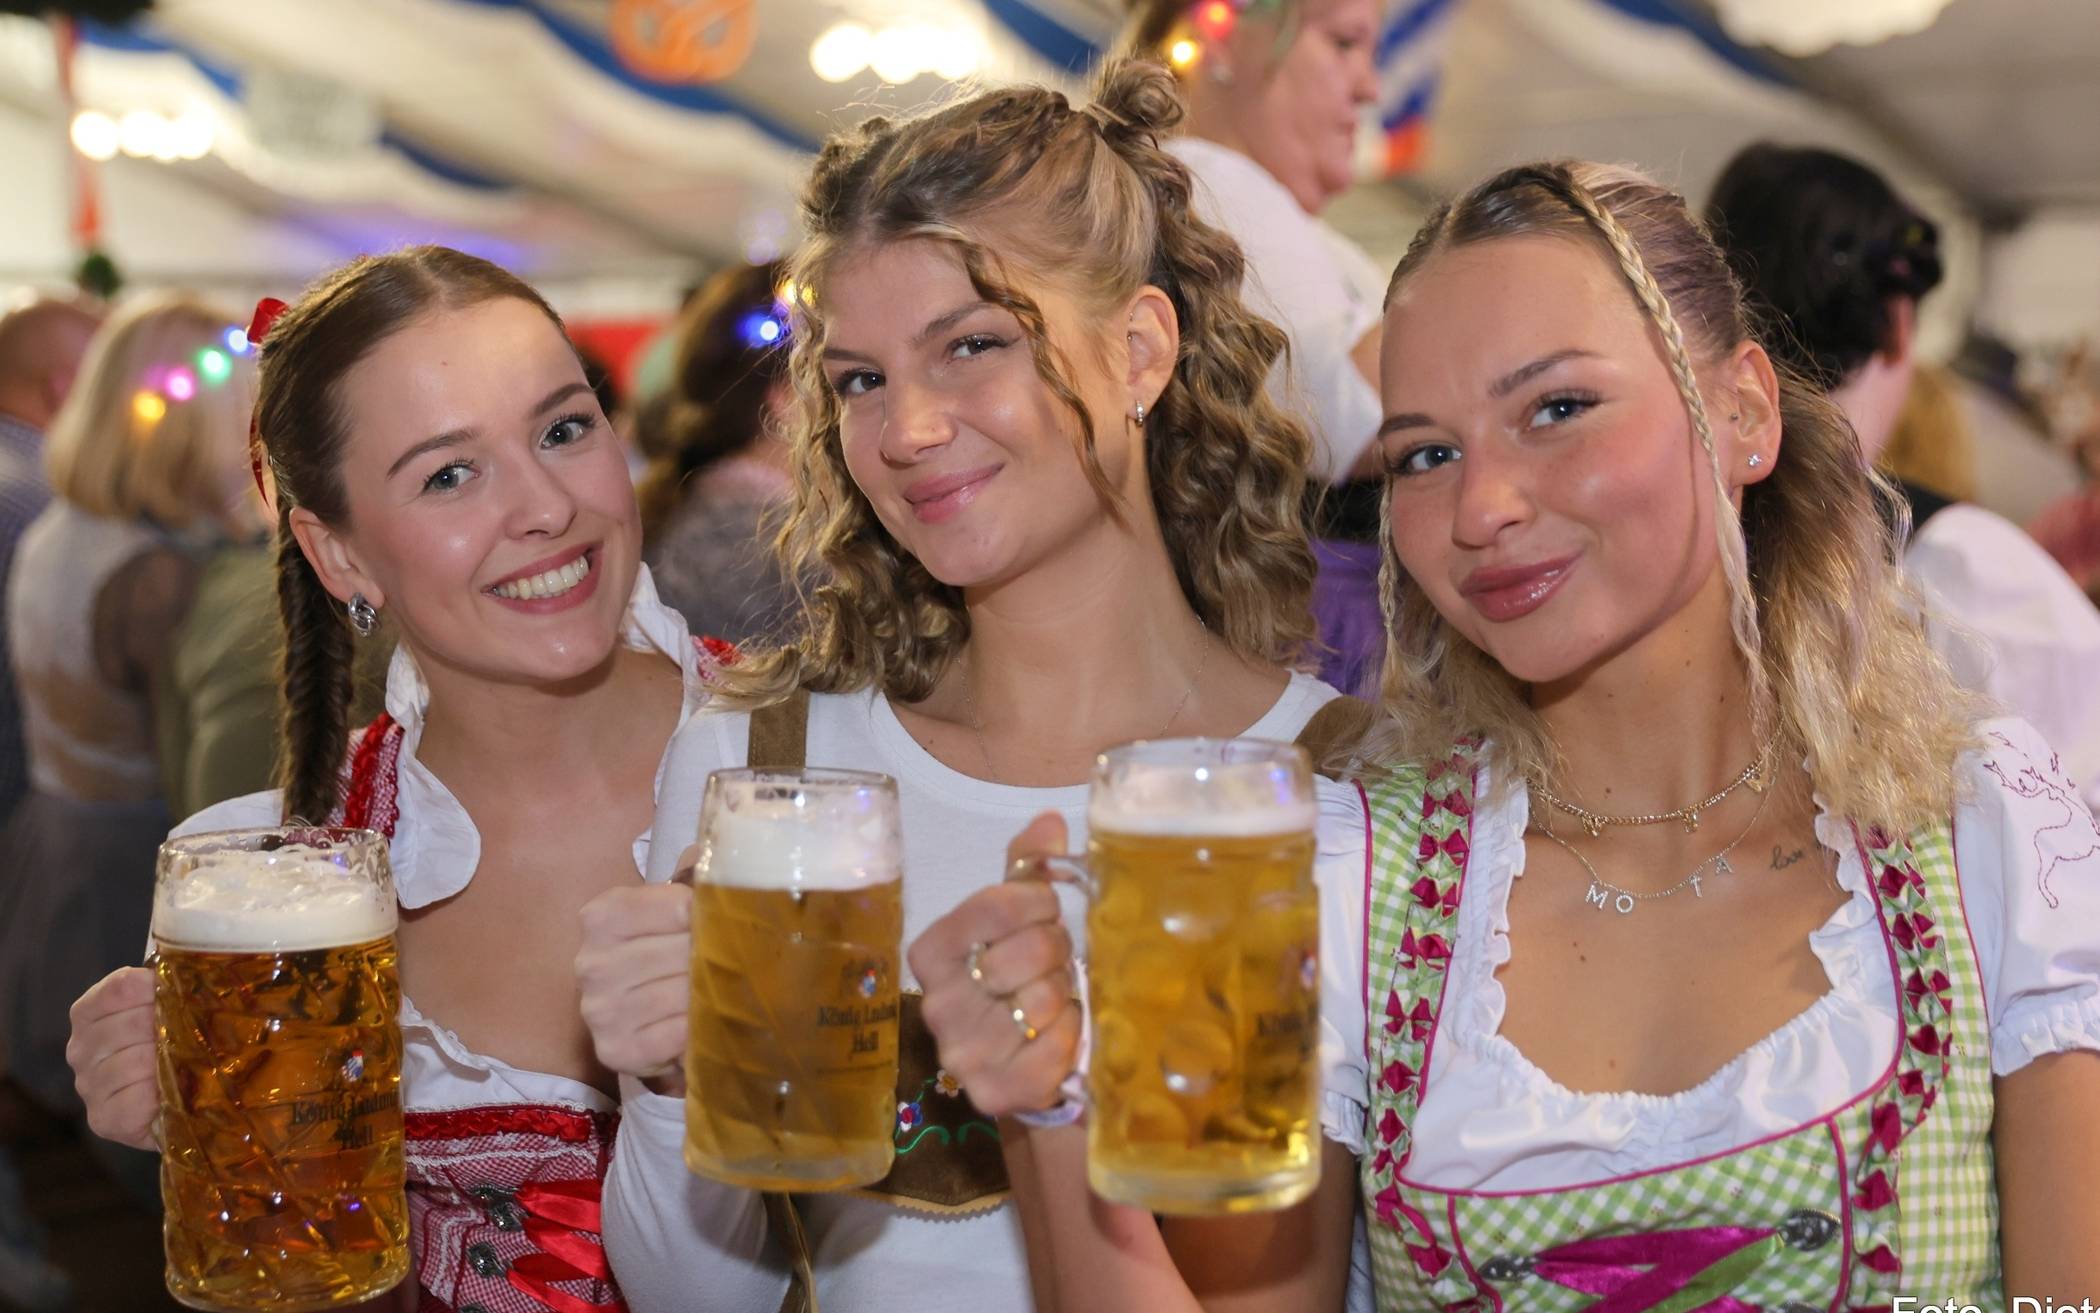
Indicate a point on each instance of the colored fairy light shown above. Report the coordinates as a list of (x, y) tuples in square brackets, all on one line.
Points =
[(182, 384), (1182, 54), (1215, 18), (214, 366), (237, 341), (761, 329), (149, 407)]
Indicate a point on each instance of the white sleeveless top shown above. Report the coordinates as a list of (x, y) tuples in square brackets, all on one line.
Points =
[(89, 740)]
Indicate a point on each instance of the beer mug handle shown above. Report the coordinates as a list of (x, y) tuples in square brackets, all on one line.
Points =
[(1071, 870), (1057, 868)]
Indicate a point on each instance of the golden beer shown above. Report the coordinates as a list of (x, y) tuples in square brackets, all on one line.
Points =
[(1203, 978), (282, 1169), (791, 1068)]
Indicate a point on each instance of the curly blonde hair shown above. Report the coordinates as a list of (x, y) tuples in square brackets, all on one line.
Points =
[(1837, 667), (1086, 200)]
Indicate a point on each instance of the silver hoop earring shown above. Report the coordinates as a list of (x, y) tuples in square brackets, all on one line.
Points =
[(1141, 414), (364, 617), (1757, 460)]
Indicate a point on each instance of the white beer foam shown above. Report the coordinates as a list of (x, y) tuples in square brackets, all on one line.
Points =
[(1236, 801), (764, 846), (292, 899), (1246, 823)]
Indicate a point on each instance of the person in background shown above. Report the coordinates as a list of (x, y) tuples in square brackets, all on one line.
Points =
[(147, 458), (1275, 95), (41, 345), (1839, 262), (707, 500), (2069, 528), (1930, 446)]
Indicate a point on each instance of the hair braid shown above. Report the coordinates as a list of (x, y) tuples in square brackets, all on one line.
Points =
[(1728, 529), (316, 680)]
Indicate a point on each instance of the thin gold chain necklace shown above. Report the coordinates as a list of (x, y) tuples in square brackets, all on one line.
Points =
[(1755, 775)]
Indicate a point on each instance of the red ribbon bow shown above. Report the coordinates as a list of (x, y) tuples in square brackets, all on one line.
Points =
[(266, 312)]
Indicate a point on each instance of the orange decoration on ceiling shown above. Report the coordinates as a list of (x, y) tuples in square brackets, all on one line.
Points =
[(684, 40)]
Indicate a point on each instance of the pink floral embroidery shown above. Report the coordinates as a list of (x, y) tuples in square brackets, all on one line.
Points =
[(2079, 831)]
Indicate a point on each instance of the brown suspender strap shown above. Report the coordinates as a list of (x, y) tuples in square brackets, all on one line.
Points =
[(779, 741), (1332, 734), (780, 734)]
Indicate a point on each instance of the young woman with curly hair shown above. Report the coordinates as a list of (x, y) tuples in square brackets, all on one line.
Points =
[(1047, 507)]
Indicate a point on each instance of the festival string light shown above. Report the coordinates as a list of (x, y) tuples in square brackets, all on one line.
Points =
[(208, 367)]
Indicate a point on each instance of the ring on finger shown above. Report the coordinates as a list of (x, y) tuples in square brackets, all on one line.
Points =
[(1020, 1016), (974, 962)]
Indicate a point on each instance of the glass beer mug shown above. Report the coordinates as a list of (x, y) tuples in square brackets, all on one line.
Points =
[(1202, 973), (798, 916), (276, 1000)]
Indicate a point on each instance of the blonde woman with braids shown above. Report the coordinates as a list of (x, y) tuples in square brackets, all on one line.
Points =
[(439, 456), (1714, 952), (1052, 510)]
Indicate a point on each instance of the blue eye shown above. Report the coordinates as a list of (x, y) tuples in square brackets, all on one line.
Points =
[(1559, 410), (449, 478), (1421, 459)]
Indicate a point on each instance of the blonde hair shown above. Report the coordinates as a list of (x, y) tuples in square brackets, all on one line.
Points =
[(1930, 444), (1084, 198), (126, 446), (1836, 666)]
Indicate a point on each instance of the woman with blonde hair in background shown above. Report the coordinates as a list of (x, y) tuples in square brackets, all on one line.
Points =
[(1051, 509), (148, 461), (1715, 951), (1276, 91)]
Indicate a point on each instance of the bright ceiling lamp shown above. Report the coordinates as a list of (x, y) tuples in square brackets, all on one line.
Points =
[(1809, 27), (842, 51), (897, 52)]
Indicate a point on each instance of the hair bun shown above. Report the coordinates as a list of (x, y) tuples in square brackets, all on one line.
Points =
[(1136, 97)]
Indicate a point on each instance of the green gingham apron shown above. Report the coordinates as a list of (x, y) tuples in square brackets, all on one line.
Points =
[(1892, 1192)]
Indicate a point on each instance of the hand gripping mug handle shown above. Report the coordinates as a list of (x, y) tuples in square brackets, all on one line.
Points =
[(1071, 871)]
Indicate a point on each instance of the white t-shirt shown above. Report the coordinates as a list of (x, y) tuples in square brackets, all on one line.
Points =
[(2013, 625), (871, 1257), (2028, 853), (1312, 282)]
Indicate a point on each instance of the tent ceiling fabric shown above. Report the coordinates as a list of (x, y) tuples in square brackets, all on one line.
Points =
[(595, 169)]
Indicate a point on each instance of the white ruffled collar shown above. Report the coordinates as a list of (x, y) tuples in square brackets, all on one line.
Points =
[(436, 849)]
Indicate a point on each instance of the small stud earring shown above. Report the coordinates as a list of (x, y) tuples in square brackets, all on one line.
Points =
[(1140, 414), (1757, 460)]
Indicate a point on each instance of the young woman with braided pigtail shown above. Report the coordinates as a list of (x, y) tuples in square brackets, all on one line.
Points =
[(1047, 507), (437, 455), (1716, 949)]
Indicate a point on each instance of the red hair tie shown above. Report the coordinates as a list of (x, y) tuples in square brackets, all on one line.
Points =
[(266, 312)]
